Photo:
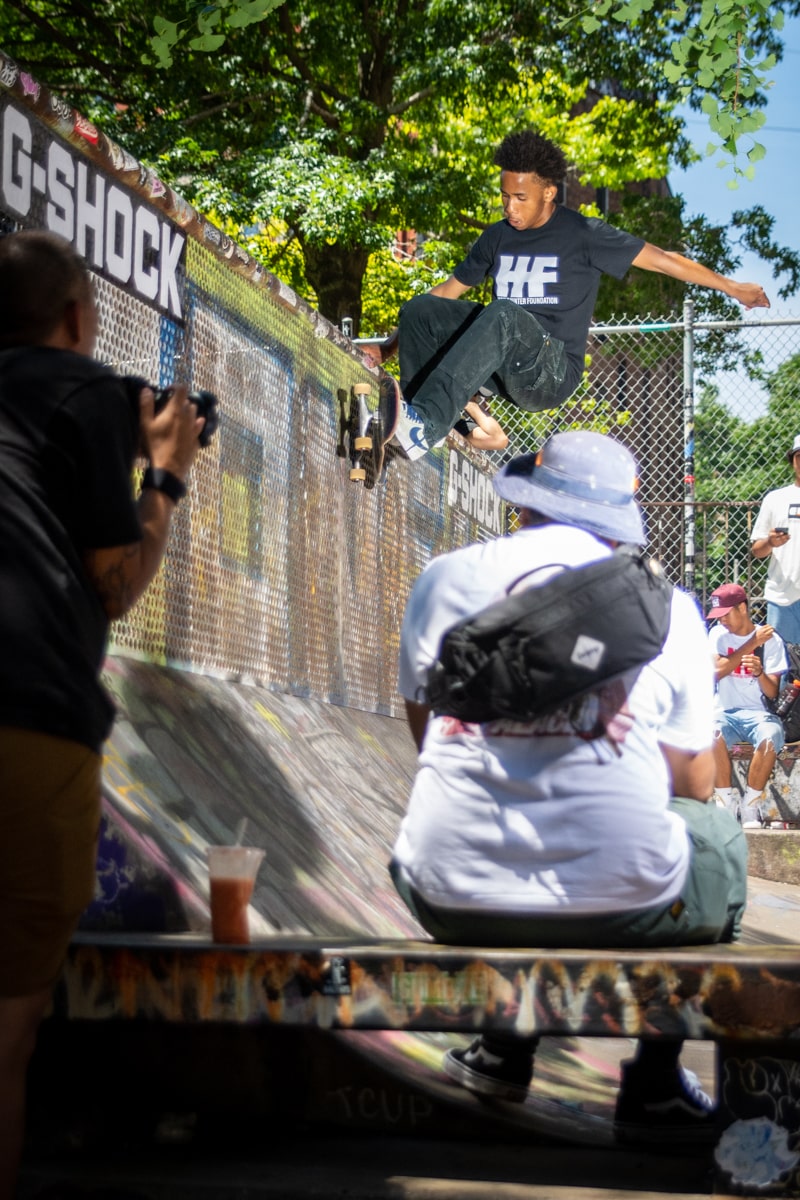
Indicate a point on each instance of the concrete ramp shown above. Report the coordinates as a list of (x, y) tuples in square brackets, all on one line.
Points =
[(322, 789)]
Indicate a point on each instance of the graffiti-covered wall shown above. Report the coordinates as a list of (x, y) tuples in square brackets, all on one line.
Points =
[(280, 569)]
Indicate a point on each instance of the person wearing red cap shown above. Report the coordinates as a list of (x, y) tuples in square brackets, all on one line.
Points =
[(776, 536), (748, 662)]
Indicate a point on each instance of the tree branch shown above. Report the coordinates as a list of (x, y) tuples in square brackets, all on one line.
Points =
[(423, 94), (56, 36)]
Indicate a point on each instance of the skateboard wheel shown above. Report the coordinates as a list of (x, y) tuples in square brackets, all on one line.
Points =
[(362, 443), (358, 473), (361, 389)]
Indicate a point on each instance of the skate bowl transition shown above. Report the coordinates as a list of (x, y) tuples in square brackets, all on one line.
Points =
[(255, 683)]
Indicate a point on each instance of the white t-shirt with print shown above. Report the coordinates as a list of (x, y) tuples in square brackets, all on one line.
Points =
[(740, 689), (511, 817), (781, 507)]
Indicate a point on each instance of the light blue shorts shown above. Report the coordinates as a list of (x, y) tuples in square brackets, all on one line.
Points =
[(785, 620), (751, 725)]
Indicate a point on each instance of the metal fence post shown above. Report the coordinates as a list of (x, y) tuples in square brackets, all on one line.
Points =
[(688, 447)]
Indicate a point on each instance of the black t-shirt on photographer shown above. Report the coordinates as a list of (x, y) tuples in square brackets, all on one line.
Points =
[(67, 444)]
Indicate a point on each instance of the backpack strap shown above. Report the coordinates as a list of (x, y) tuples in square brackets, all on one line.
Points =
[(551, 567)]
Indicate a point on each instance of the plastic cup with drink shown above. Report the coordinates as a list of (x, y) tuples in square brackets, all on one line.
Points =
[(232, 872)]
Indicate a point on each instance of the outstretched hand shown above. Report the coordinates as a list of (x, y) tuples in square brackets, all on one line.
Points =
[(381, 352), (751, 295)]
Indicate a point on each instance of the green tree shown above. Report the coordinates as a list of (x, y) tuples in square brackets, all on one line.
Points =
[(736, 463), (719, 55), (336, 126), (719, 61), (741, 460)]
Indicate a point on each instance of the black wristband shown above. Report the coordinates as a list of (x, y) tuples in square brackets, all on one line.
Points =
[(164, 481)]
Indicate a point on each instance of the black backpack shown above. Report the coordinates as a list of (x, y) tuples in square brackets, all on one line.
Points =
[(532, 652), (791, 718)]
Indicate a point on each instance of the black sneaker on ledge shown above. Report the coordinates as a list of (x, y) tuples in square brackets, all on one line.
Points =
[(502, 1077), (663, 1107)]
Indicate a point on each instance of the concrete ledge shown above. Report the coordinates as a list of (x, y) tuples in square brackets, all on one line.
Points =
[(725, 991), (774, 854)]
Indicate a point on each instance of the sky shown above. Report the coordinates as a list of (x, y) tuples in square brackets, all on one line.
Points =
[(776, 186)]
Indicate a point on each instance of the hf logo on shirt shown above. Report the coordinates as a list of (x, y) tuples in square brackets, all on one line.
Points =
[(523, 277)]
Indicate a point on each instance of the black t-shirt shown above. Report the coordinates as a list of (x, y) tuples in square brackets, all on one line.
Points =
[(68, 439), (554, 271)]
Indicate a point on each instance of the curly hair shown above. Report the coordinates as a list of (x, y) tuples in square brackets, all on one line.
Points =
[(528, 153)]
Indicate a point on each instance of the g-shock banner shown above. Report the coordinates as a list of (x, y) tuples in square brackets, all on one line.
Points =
[(46, 183), (471, 490)]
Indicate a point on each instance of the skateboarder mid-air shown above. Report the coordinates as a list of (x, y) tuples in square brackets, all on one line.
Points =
[(528, 344)]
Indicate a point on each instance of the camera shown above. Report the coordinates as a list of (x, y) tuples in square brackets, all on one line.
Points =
[(205, 402)]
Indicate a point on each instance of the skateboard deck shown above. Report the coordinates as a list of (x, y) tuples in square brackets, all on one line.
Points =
[(372, 426)]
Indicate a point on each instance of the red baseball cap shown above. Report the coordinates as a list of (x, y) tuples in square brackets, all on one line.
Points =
[(724, 598)]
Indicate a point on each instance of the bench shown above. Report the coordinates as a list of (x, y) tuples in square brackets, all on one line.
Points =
[(783, 787), (745, 998)]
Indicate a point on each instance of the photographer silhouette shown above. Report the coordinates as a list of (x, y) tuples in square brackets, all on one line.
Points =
[(76, 552)]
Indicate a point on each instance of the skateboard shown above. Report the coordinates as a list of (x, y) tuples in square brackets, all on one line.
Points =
[(372, 428)]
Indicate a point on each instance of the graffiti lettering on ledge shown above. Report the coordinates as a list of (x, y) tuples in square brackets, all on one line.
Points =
[(420, 989), (370, 1104)]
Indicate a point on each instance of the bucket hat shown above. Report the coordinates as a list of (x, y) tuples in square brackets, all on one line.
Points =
[(579, 478)]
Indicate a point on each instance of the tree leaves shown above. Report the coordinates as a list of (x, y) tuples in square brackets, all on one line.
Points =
[(339, 127), (714, 58), (221, 16)]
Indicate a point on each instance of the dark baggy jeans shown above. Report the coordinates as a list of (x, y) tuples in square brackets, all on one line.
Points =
[(450, 348)]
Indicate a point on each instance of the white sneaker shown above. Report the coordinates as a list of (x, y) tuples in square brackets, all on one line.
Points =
[(751, 816), (410, 432), (731, 805)]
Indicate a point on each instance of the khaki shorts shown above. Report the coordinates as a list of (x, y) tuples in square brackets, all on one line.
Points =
[(49, 821)]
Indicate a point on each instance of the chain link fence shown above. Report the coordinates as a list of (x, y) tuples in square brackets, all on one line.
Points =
[(283, 569), (709, 410)]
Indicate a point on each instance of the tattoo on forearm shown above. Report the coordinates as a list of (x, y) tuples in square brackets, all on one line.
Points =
[(113, 583)]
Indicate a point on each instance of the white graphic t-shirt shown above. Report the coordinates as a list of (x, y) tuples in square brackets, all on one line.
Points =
[(740, 689), (569, 812), (778, 508)]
